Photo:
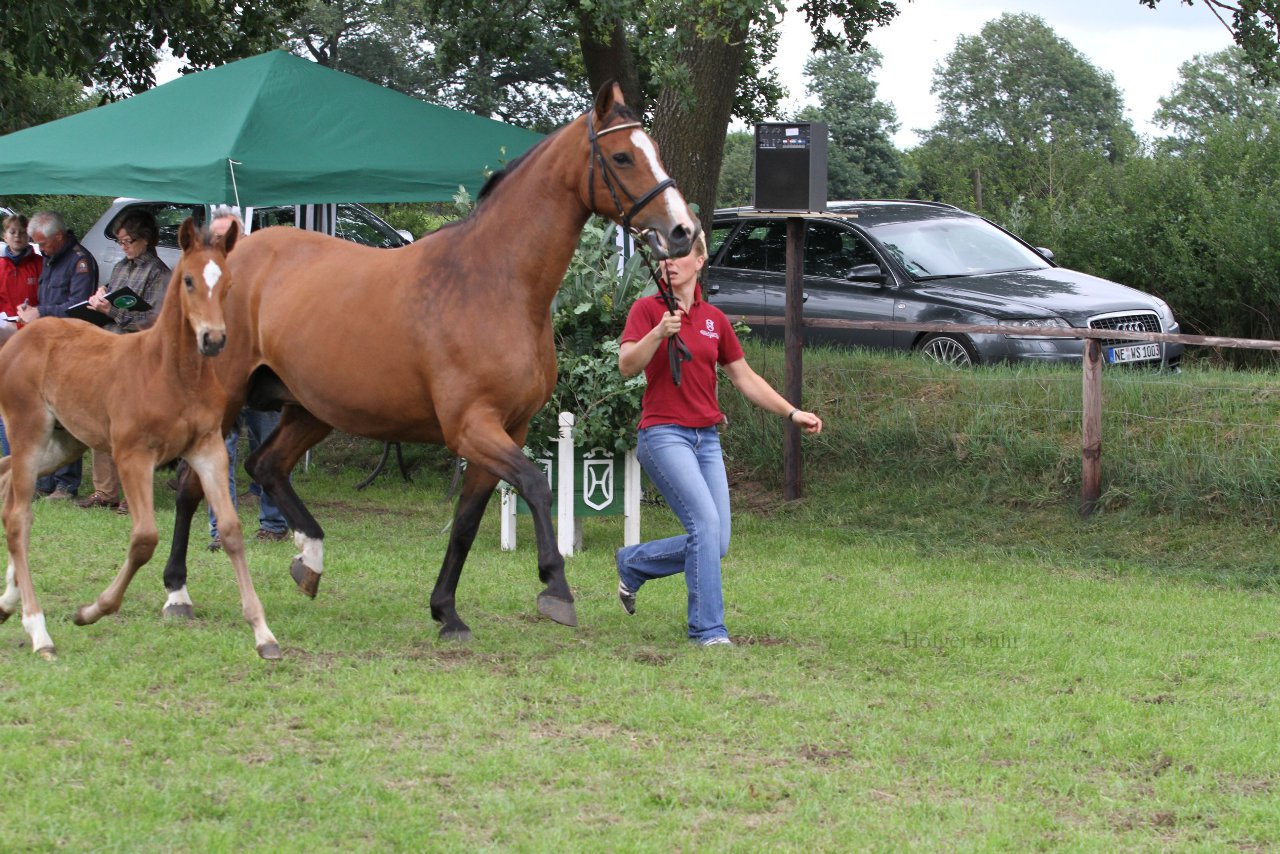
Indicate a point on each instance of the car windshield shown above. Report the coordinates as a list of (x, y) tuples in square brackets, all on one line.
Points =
[(959, 246)]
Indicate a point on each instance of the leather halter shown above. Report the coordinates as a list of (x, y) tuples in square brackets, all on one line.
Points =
[(610, 176)]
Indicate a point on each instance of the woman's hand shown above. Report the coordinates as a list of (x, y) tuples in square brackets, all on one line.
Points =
[(669, 324), (806, 421), (98, 301)]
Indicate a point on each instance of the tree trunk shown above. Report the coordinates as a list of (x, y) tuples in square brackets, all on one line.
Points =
[(690, 126), (609, 58)]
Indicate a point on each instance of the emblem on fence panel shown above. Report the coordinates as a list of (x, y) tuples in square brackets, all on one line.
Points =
[(597, 483)]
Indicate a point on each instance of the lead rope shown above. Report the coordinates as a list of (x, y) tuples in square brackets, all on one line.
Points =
[(677, 350)]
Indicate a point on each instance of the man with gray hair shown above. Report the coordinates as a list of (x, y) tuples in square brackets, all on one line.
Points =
[(70, 276)]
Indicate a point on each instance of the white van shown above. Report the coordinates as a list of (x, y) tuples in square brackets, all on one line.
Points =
[(352, 222)]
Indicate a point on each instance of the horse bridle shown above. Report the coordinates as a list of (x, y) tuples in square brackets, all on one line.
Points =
[(677, 350), (612, 182)]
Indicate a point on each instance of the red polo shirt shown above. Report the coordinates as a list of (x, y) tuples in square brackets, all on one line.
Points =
[(710, 338)]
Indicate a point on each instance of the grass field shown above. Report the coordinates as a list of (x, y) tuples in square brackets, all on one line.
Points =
[(919, 664)]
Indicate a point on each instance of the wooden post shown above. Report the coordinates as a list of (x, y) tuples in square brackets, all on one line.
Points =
[(793, 344), (1091, 428)]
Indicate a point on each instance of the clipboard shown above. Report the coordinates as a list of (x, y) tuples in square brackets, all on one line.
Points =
[(125, 299)]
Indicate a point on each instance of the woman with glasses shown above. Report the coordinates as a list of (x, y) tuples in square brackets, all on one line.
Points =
[(142, 271)]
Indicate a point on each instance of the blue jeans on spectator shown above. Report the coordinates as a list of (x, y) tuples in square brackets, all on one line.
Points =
[(66, 478), (258, 424), (4, 440), (687, 467)]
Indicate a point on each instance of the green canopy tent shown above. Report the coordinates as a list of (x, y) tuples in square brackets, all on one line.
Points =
[(269, 130)]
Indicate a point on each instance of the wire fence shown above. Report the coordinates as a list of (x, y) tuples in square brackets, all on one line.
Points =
[(1204, 438)]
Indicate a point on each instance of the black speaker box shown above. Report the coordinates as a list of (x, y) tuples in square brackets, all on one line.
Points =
[(791, 166)]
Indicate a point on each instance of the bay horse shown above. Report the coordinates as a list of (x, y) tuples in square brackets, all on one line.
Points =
[(445, 341), (148, 398)]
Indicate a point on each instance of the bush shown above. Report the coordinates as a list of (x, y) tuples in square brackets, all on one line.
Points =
[(588, 317)]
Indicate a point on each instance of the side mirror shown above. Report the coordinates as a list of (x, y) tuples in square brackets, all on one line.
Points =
[(867, 273), (1046, 252)]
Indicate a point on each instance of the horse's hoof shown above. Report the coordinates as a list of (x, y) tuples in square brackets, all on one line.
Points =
[(48, 653), (178, 611), (459, 634), (4, 615), (557, 609), (270, 651), (82, 616), (307, 579)]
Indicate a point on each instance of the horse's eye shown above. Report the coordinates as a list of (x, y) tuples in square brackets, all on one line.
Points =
[(186, 280), (622, 158)]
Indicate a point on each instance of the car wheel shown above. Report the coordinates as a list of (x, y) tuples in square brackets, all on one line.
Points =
[(948, 349)]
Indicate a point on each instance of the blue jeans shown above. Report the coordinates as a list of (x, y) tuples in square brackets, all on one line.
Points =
[(687, 467), (66, 478), (258, 424), (4, 440)]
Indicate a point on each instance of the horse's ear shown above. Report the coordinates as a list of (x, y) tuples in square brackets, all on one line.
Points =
[(187, 234), (228, 239), (609, 96)]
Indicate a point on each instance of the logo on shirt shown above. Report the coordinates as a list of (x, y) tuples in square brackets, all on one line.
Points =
[(710, 331)]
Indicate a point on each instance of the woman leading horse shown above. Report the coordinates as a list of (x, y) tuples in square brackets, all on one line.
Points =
[(446, 341)]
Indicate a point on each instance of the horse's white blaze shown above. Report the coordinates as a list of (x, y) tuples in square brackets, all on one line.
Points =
[(11, 599), (311, 551), (676, 208), (36, 630), (212, 272), (178, 597)]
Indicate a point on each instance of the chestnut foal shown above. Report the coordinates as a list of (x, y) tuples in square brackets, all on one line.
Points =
[(148, 398)]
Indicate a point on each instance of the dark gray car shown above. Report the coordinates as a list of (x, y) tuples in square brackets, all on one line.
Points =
[(928, 262)]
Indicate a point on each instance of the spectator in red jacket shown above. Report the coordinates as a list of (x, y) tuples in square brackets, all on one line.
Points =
[(20, 268)]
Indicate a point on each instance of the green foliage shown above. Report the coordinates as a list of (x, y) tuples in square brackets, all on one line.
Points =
[(588, 316), (862, 162), (1018, 84), (80, 212), (115, 43), (1214, 91), (737, 171), (513, 63), (1255, 26)]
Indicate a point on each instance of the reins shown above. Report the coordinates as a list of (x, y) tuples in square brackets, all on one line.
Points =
[(677, 350)]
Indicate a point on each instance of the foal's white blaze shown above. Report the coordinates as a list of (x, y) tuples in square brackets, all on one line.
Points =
[(212, 272), (35, 628), (311, 551), (12, 598), (179, 597), (676, 208)]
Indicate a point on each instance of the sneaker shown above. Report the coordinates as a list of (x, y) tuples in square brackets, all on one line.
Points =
[(270, 536), (626, 595), (97, 499), (60, 494), (716, 642), (215, 545)]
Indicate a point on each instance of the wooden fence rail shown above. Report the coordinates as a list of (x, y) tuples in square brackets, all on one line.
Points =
[(1091, 397)]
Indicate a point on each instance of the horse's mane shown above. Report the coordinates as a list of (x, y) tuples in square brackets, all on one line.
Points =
[(619, 111)]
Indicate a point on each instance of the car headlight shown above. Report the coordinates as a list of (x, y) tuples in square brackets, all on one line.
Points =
[(1167, 321), (1018, 323)]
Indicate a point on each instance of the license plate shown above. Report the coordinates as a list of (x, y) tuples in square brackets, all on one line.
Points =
[(1134, 353)]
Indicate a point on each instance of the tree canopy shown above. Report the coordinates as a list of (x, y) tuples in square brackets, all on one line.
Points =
[(861, 159), (1255, 26), (1017, 83), (1212, 91), (114, 44)]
